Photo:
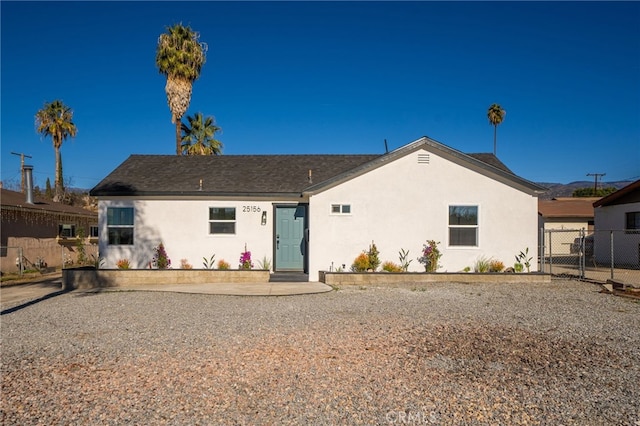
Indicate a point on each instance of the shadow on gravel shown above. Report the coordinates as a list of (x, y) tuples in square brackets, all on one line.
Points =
[(33, 302)]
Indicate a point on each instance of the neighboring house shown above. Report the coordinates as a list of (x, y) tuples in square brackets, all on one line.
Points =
[(565, 215), (317, 212), (42, 229), (617, 218)]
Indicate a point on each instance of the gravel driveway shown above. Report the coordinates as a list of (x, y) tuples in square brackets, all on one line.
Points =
[(463, 354)]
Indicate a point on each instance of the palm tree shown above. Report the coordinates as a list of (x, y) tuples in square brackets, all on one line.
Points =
[(179, 57), (496, 115), (55, 120), (199, 137)]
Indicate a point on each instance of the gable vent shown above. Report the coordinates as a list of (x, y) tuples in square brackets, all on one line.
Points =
[(423, 158)]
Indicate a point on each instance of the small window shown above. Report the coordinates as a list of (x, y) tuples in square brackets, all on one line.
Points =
[(120, 225), (222, 220), (463, 226), (632, 222), (67, 231), (341, 208), (93, 231)]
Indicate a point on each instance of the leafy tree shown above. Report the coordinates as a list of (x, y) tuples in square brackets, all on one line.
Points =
[(495, 114), (198, 138), (590, 192), (55, 119), (179, 56), (48, 192)]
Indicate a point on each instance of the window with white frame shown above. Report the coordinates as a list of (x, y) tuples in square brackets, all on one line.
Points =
[(120, 225), (340, 208), (463, 226), (93, 231), (222, 220)]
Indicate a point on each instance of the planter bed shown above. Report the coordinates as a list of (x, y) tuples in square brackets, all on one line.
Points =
[(394, 279), (85, 278)]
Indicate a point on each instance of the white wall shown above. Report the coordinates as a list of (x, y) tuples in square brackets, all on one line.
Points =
[(400, 205), (183, 227), (403, 204), (626, 245), (568, 231)]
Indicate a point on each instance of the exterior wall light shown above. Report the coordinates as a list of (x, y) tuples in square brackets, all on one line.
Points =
[(264, 218)]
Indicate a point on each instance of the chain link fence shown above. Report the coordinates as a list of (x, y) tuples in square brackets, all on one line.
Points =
[(600, 256)]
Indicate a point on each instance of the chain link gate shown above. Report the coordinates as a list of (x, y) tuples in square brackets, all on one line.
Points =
[(602, 255)]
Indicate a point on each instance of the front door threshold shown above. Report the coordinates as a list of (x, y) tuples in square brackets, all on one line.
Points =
[(289, 277)]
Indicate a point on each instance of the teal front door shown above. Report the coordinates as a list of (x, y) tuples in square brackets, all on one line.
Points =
[(289, 242)]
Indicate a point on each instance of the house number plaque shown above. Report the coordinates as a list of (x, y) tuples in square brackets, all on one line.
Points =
[(250, 209)]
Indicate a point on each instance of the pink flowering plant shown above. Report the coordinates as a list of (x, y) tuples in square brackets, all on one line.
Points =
[(245, 259), (430, 256), (160, 258)]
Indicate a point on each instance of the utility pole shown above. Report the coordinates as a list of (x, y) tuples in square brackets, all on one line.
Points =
[(21, 169), (595, 183)]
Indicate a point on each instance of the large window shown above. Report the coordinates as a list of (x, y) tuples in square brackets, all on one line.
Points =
[(463, 226), (633, 222), (222, 220), (120, 225)]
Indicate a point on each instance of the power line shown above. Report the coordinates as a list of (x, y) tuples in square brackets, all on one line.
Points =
[(22, 155), (595, 183)]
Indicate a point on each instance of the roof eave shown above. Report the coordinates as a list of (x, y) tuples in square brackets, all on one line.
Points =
[(197, 194)]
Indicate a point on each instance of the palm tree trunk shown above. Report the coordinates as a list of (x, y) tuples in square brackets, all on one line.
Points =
[(495, 132), (178, 137), (58, 181)]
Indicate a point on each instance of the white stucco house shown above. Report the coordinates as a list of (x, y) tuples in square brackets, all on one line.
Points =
[(312, 213), (617, 218)]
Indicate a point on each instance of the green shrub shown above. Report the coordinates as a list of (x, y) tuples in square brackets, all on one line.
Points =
[(209, 263), (404, 261), (374, 259), (482, 265)]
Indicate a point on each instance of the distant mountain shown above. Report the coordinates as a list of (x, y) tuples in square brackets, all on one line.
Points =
[(566, 190)]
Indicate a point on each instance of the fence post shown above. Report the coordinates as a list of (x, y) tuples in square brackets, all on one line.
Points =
[(550, 252), (21, 263), (581, 254), (611, 242), (541, 250)]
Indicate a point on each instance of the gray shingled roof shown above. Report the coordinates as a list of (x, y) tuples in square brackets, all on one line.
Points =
[(224, 175), (491, 160), (269, 175)]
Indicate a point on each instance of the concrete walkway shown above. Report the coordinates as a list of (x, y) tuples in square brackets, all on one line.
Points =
[(44, 288)]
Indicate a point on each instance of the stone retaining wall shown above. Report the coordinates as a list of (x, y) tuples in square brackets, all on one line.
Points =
[(84, 278), (417, 278)]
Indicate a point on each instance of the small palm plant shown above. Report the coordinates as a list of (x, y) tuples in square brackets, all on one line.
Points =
[(198, 138)]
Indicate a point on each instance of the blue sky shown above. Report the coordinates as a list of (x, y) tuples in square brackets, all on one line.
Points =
[(332, 77)]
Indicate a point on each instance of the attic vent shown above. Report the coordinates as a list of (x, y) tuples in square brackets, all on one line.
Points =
[(423, 158)]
